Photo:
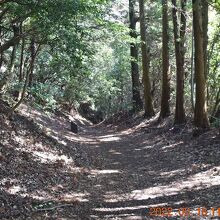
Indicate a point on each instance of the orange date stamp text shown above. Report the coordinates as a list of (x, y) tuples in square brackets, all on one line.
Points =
[(183, 212)]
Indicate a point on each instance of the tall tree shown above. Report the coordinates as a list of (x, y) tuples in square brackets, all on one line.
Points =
[(200, 117), (137, 102), (148, 106), (192, 70), (7, 77), (205, 20), (179, 37), (165, 106), (28, 71), (32, 48)]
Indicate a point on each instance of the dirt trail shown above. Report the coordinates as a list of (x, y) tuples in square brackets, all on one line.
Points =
[(151, 166), (109, 173)]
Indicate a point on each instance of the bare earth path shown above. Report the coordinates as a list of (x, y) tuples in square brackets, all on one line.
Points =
[(109, 173), (144, 167)]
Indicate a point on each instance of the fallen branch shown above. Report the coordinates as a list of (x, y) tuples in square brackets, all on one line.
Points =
[(55, 207)]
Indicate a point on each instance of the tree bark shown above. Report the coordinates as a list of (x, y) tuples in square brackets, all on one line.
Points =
[(192, 72), (1, 53), (14, 40), (9, 74), (200, 116), (137, 102), (21, 69), (148, 106), (32, 48), (179, 37), (205, 20), (165, 106), (21, 75), (31, 66)]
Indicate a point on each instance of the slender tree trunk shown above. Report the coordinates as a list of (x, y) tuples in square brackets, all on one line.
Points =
[(205, 20), (148, 106), (12, 62), (200, 117), (22, 94), (9, 74), (137, 102), (21, 69), (217, 105), (29, 69), (179, 37), (1, 54), (165, 106), (210, 54), (32, 57), (21, 74), (192, 71), (1, 59)]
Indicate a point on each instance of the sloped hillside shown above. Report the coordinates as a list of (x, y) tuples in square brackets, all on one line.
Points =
[(36, 165)]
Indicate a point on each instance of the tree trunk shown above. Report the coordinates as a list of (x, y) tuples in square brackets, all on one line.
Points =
[(21, 74), (200, 117), (216, 107), (179, 37), (192, 72), (32, 48), (148, 106), (4, 81), (29, 69), (165, 106), (137, 102), (9, 74), (21, 70), (205, 20), (13, 41), (1, 54)]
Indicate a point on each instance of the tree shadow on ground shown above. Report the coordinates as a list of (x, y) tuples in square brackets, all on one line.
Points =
[(99, 174)]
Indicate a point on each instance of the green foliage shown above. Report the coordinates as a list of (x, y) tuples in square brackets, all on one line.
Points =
[(84, 51), (214, 63), (45, 94)]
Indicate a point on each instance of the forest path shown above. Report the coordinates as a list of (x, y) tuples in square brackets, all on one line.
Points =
[(149, 166), (129, 168), (105, 172)]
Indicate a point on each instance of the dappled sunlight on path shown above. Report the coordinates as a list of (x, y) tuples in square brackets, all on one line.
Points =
[(109, 173)]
